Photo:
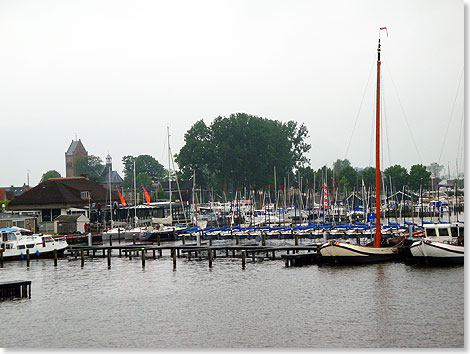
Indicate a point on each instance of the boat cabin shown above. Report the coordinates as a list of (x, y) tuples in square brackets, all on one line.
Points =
[(443, 231)]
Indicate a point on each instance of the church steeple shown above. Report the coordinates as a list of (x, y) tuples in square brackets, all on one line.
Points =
[(109, 163)]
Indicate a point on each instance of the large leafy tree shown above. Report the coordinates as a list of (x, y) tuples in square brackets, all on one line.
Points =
[(419, 176), (144, 165), (243, 150), (50, 174), (90, 165), (435, 169), (368, 176), (398, 175), (349, 177)]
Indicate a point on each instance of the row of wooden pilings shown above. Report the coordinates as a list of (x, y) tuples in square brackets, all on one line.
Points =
[(134, 251), (28, 258), (183, 239), (15, 289)]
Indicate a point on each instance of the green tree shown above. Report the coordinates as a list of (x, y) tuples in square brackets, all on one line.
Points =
[(350, 175), (398, 174), (50, 174), (90, 165), (242, 150), (368, 176), (143, 179), (419, 176), (435, 169), (339, 164), (195, 157), (143, 164)]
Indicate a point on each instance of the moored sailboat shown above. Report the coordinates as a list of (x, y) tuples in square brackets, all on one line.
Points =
[(379, 250)]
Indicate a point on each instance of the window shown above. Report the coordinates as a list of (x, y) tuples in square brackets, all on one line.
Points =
[(85, 195), (11, 236), (431, 232), (30, 245), (461, 231), (454, 231), (443, 232), (21, 247)]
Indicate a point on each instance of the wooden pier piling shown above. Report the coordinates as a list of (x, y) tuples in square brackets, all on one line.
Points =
[(174, 258), (55, 257), (143, 258), (209, 254), (82, 257), (15, 289), (1, 258), (109, 257), (243, 259), (28, 257)]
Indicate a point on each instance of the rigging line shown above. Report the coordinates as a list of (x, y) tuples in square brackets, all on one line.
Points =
[(450, 118), (360, 106), (404, 116)]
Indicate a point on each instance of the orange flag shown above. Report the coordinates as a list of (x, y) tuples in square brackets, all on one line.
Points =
[(123, 202), (147, 197)]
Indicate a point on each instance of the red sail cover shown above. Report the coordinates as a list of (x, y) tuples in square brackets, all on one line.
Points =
[(147, 197), (123, 202), (325, 195)]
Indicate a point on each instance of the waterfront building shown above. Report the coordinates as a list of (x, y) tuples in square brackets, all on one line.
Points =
[(61, 196)]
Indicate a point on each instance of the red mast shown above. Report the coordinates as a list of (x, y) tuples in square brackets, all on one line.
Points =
[(378, 233)]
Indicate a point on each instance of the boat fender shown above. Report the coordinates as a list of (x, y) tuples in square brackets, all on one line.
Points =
[(22, 255), (37, 253)]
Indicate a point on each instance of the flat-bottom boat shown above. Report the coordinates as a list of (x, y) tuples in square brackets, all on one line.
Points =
[(337, 252)]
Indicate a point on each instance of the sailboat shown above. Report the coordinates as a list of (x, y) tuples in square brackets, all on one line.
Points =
[(337, 252)]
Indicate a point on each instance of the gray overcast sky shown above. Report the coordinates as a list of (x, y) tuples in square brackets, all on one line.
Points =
[(116, 73)]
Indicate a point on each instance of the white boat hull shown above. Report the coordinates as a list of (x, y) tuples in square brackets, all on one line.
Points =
[(434, 252), (36, 249), (337, 252)]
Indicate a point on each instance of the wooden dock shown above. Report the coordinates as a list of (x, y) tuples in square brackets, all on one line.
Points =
[(298, 254), (15, 289), (300, 259)]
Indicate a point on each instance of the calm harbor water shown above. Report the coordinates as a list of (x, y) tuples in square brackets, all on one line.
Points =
[(265, 305)]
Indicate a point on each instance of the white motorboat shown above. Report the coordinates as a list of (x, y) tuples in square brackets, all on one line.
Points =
[(441, 244), (15, 242)]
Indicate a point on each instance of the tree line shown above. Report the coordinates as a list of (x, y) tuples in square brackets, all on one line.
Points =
[(244, 150)]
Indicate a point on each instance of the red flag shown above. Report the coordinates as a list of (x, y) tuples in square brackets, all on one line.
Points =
[(147, 197), (123, 202), (325, 195)]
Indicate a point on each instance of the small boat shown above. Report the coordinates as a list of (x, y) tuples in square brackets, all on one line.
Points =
[(162, 232), (381, 249), (442, 244), (114, 234), (15, 241)]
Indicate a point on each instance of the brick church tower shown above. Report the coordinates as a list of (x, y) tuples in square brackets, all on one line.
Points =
[(75, 150)]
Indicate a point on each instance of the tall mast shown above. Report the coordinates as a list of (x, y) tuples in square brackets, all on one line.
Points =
[(169, 174), (135, 198), (378, 233), (110, 202)]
